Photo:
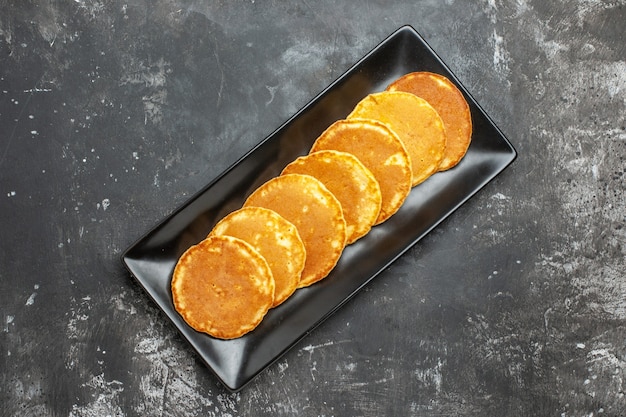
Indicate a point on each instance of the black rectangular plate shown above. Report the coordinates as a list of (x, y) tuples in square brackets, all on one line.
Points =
[(151, 260)]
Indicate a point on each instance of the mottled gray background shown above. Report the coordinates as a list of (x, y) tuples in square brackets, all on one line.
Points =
[(113, 113)]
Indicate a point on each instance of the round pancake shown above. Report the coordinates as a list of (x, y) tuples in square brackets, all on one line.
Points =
[(452, 107), (222, 286), (276, 239), (416, 123), (380, 150), (316, 213), (347, 178)]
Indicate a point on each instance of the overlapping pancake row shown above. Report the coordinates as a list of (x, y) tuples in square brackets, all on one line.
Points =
[(292, 230)]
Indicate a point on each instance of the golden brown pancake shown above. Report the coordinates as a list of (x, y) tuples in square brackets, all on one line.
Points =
[(416, 123), (347, 178), (222, 286), (380, 150), (452, 107), (276, 239), (316, 213)]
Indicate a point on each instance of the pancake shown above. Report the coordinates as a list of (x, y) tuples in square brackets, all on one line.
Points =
[(347, 178), (223, 287), (276, 239), (416, 123), (380, 150), (452, 107), (316, 213)]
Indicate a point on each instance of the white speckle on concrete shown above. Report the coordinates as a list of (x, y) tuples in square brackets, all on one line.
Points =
[(500, 196), (153, 77), (105, 403), (282, 366), (594, 171), (311, 348), (500, 54), (8, 321), (272, 91), (31, 299), (105, 204), (431, 376)]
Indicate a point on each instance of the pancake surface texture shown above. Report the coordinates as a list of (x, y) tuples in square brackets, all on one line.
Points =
[(350, 181), (223, 287), (276, 239), (452, 107), (380, 150), (416, 123), (316, 213)]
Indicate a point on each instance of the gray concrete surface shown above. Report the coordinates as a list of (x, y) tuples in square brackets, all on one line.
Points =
[(114, 113)]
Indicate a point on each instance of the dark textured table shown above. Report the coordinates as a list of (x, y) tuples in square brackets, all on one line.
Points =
[(113, 114)]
